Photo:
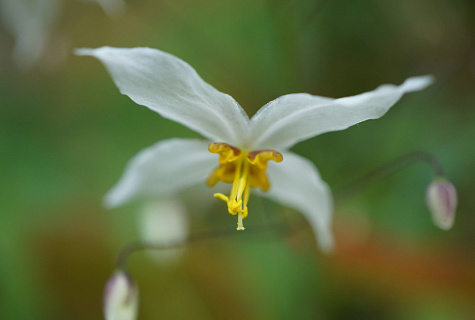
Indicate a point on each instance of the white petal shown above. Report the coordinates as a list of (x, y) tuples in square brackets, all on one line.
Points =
[(171, 87), (164, 222), (30, 23), (296, 183), (296, 117), (163, 169)]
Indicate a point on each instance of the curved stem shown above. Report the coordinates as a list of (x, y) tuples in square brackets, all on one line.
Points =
[(387, 169), (137, 246)]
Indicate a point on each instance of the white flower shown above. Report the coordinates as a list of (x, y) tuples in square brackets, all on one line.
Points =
[(164, 222), (172, 88), (31, 23), (121, 297)]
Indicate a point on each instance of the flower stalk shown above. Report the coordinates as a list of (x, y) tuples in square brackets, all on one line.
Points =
[(389, 168)]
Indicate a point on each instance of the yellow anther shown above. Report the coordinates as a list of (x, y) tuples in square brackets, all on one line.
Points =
[(245, 171)]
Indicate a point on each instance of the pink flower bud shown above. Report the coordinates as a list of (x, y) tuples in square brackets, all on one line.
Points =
[(120, 297), (441, 198)]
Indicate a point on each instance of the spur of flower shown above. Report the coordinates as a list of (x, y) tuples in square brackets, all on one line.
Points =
[(249, 153)]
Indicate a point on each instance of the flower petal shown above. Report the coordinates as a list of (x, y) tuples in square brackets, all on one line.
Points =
[(296, 183), (171, 87), (296, 117), (163, 169)]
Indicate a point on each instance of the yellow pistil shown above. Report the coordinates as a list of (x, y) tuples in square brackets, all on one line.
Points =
[(245, 170)]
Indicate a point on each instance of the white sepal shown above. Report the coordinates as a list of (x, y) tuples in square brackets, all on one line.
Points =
[(296, 183), (172, 88), (296, 117), (163, 169)]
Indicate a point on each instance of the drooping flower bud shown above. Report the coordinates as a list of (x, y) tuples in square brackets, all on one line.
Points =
[(120, 297), (441, 198)]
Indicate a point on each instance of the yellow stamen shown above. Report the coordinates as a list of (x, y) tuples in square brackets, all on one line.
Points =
[(244, 170)]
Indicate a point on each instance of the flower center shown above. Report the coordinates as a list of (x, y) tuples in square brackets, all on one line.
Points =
[(244, 170)]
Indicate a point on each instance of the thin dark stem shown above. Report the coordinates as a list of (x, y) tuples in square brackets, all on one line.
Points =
[(387, 169), (137, 246)]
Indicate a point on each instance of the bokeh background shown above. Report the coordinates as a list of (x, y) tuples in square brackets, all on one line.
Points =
[(66, 134)]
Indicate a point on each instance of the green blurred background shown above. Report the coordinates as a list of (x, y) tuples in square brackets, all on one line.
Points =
[(66, 134)]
